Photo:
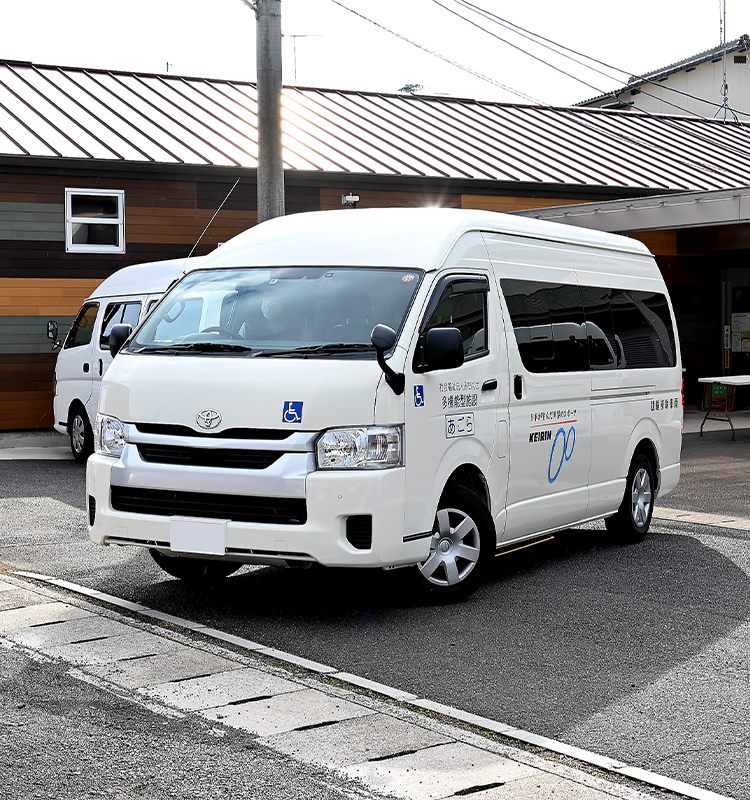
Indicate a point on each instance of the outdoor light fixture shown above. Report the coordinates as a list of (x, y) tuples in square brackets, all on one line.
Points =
[(349, 199)]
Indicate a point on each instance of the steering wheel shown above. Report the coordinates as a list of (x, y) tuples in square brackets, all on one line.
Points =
[(221, 329)]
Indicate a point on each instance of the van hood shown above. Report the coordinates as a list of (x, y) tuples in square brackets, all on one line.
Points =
[(276, 393)]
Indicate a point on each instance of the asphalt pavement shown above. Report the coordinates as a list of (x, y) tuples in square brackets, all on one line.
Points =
[(406, 745)]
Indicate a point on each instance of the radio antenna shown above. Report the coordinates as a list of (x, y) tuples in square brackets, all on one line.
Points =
[(212, 219)]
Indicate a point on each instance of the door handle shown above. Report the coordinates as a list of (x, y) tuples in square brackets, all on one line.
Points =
[(489, 385), (86, 367), (101, 367), (518, 387)]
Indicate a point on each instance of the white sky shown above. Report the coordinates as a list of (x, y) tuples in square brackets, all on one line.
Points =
[(336, 49)]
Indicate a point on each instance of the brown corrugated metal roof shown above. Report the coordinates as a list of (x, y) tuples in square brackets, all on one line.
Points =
[(101, 115)]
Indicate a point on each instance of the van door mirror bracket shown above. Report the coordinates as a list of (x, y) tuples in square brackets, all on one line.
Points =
[(117, 337), (383, 338)]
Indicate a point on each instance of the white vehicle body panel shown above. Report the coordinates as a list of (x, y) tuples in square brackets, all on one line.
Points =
[(553, 456)]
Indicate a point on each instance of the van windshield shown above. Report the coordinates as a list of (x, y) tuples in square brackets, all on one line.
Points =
[(285, 311)]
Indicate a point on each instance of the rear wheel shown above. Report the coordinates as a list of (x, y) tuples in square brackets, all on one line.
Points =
[(633, 518), (194, 570), (80, 434), (461, 546)]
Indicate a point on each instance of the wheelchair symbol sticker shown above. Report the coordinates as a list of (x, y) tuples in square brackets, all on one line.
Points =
[(292, 411), (419, 396), (562, 450)]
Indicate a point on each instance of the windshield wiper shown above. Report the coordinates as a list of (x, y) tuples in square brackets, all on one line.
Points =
[(195, 347), (319, 349)]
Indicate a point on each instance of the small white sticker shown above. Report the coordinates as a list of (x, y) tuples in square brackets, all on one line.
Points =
[(459, 425)]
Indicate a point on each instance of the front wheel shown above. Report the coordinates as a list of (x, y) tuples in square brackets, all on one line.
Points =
[(194, 570), (461, 546), (633, 518), (81, 435)]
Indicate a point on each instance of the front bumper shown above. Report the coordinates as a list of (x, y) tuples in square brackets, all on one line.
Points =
[(331, 497)]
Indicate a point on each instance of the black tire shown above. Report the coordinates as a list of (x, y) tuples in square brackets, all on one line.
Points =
[(194, 570), (80, 434), (633, 518), (462, 545)]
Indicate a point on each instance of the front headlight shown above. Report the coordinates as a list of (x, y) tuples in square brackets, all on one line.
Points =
[(110, 436), (360, 448)]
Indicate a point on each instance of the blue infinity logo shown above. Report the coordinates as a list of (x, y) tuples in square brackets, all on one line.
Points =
[(561, 453)]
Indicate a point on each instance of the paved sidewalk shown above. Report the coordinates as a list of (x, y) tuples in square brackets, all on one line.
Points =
[(390, 741)]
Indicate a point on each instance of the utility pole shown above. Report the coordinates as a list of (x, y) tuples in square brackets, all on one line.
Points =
[(270, 158)]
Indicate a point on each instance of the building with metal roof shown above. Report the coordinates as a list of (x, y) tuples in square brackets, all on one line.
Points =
[(690, 86), (100, 169)]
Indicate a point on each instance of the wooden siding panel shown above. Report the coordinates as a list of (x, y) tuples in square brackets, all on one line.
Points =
[(660, 243), (50, 298), (26, 187), (28, 334), (184, 226), (26, 391), (34, 222)]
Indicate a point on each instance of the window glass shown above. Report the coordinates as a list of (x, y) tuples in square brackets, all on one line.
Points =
[(465, 310), (265, 312), (548, 323), (86, 205), (643, 328), (83, 327), (116, 313), (86, 233), (604, 349)]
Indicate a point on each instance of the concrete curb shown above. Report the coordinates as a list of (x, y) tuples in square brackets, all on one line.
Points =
[(605, 763)]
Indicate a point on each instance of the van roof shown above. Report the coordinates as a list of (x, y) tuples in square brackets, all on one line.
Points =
[(414, 237), (152, 277)]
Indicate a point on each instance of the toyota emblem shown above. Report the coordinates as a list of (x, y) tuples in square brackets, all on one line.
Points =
[(208, 418)]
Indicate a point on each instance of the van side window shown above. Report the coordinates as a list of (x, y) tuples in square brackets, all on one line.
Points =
[(549, 325), (116, 313), (643, 324), (462, 304), (637, 326), (564, 328), (83, 327)]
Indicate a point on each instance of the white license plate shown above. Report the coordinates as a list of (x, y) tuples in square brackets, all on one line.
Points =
[(207, 537)]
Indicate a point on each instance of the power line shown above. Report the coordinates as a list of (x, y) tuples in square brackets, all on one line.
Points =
[(556, 47), (438, 55)]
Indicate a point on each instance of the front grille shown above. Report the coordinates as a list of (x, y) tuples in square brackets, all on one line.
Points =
[(230, 433), (202, 457), (237, 508), (359, 531)]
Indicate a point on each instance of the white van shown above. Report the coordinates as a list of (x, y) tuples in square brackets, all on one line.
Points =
[(125, 297), (390, 388)]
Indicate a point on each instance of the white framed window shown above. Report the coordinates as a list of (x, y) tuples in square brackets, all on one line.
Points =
[(94, 221)]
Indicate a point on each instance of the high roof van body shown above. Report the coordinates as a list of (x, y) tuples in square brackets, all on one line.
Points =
[(391, 388)]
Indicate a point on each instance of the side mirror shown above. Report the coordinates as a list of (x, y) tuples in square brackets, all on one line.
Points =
[(117, 337), (52, 332), (383, 338), (443, 349)]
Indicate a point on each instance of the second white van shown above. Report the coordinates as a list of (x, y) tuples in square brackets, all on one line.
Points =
[(125, 297), (389, 388)]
